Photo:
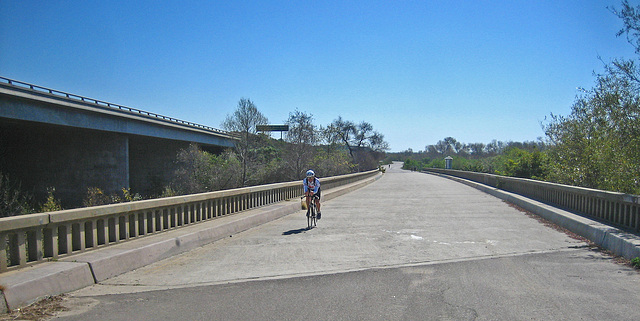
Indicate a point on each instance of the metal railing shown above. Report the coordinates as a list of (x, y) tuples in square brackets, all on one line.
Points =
[(618, 209), (41, 237), (104, 105)]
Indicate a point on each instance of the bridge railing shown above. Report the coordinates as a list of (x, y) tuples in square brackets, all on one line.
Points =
[(42, 237), (103, 104), (616, 208)]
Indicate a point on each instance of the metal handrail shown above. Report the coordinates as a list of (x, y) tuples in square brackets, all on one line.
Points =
[(104, 104)]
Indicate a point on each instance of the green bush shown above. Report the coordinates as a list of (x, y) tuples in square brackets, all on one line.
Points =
[(52, 204), (128, 197), (96, 197), (199, 171), (168, 192), (521, 163)]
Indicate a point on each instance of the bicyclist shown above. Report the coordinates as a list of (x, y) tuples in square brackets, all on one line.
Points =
[(312, 188)]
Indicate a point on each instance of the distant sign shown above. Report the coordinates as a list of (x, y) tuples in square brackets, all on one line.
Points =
[(272, 128)]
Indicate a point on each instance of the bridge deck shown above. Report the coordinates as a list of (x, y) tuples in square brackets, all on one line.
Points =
[(404, 218), (409, 246)]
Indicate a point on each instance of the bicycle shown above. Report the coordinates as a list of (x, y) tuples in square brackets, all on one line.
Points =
[(311, 212)]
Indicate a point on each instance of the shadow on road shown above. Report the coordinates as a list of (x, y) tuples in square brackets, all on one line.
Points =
[(298, 231)]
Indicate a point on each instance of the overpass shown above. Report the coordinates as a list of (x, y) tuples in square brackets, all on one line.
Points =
[(50, 138), (404, 246)]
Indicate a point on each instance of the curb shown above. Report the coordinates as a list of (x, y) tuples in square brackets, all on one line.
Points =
[(618, 241), (27, 285), (24, 286)]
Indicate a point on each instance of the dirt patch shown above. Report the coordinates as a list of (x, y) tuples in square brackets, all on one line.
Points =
[(38, 311)]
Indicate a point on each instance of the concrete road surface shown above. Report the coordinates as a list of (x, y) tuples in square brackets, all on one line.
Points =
[(410, 246)]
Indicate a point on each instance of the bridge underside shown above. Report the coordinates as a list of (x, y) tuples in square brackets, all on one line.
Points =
[(72, 160), (72, 143)]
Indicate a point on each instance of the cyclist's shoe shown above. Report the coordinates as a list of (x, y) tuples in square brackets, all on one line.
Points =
[(318, 215)]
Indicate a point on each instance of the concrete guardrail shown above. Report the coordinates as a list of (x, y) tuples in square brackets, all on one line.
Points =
[(49, 236), (619, 209)]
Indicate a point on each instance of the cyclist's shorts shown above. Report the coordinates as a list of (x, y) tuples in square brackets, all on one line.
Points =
[(318, 193)]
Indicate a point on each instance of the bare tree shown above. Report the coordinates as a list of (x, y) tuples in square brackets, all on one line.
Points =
[(244, 121), (302, 136), (357, 138)]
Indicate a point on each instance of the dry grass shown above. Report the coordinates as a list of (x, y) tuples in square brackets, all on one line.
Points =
[(39, 311)]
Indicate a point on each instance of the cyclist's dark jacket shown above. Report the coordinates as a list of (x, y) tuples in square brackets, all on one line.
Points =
[(313, 186)]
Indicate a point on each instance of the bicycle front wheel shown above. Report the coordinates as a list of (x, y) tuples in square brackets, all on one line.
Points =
[(314, 216)]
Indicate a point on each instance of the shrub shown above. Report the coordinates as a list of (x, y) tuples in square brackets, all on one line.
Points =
[(95, 197), (168, 192), (12, 200), (199, 171), (52, 204), (128, 197)]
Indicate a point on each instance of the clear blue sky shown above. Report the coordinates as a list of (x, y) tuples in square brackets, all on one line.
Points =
[(418, 71)]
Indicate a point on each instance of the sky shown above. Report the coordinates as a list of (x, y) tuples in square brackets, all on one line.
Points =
[(418, 71)]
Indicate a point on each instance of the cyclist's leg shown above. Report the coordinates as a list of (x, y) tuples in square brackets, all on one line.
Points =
[(309, 217), (317, 201)]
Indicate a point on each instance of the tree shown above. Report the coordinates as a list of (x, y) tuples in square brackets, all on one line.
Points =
[(446, 147), (631, 18), (476, 149), (598, 144), (517, 162), (431, 150), (357, 138), (244, 121), (341, 132), (331, 162), (495, 147), (302, 136), (377, 142), (198, 171)]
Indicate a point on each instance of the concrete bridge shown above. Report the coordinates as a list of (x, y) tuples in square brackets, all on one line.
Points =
[(50, 138), (407, 246)]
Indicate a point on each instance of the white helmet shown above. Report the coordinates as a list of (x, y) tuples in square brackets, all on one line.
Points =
[(310, 173)]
